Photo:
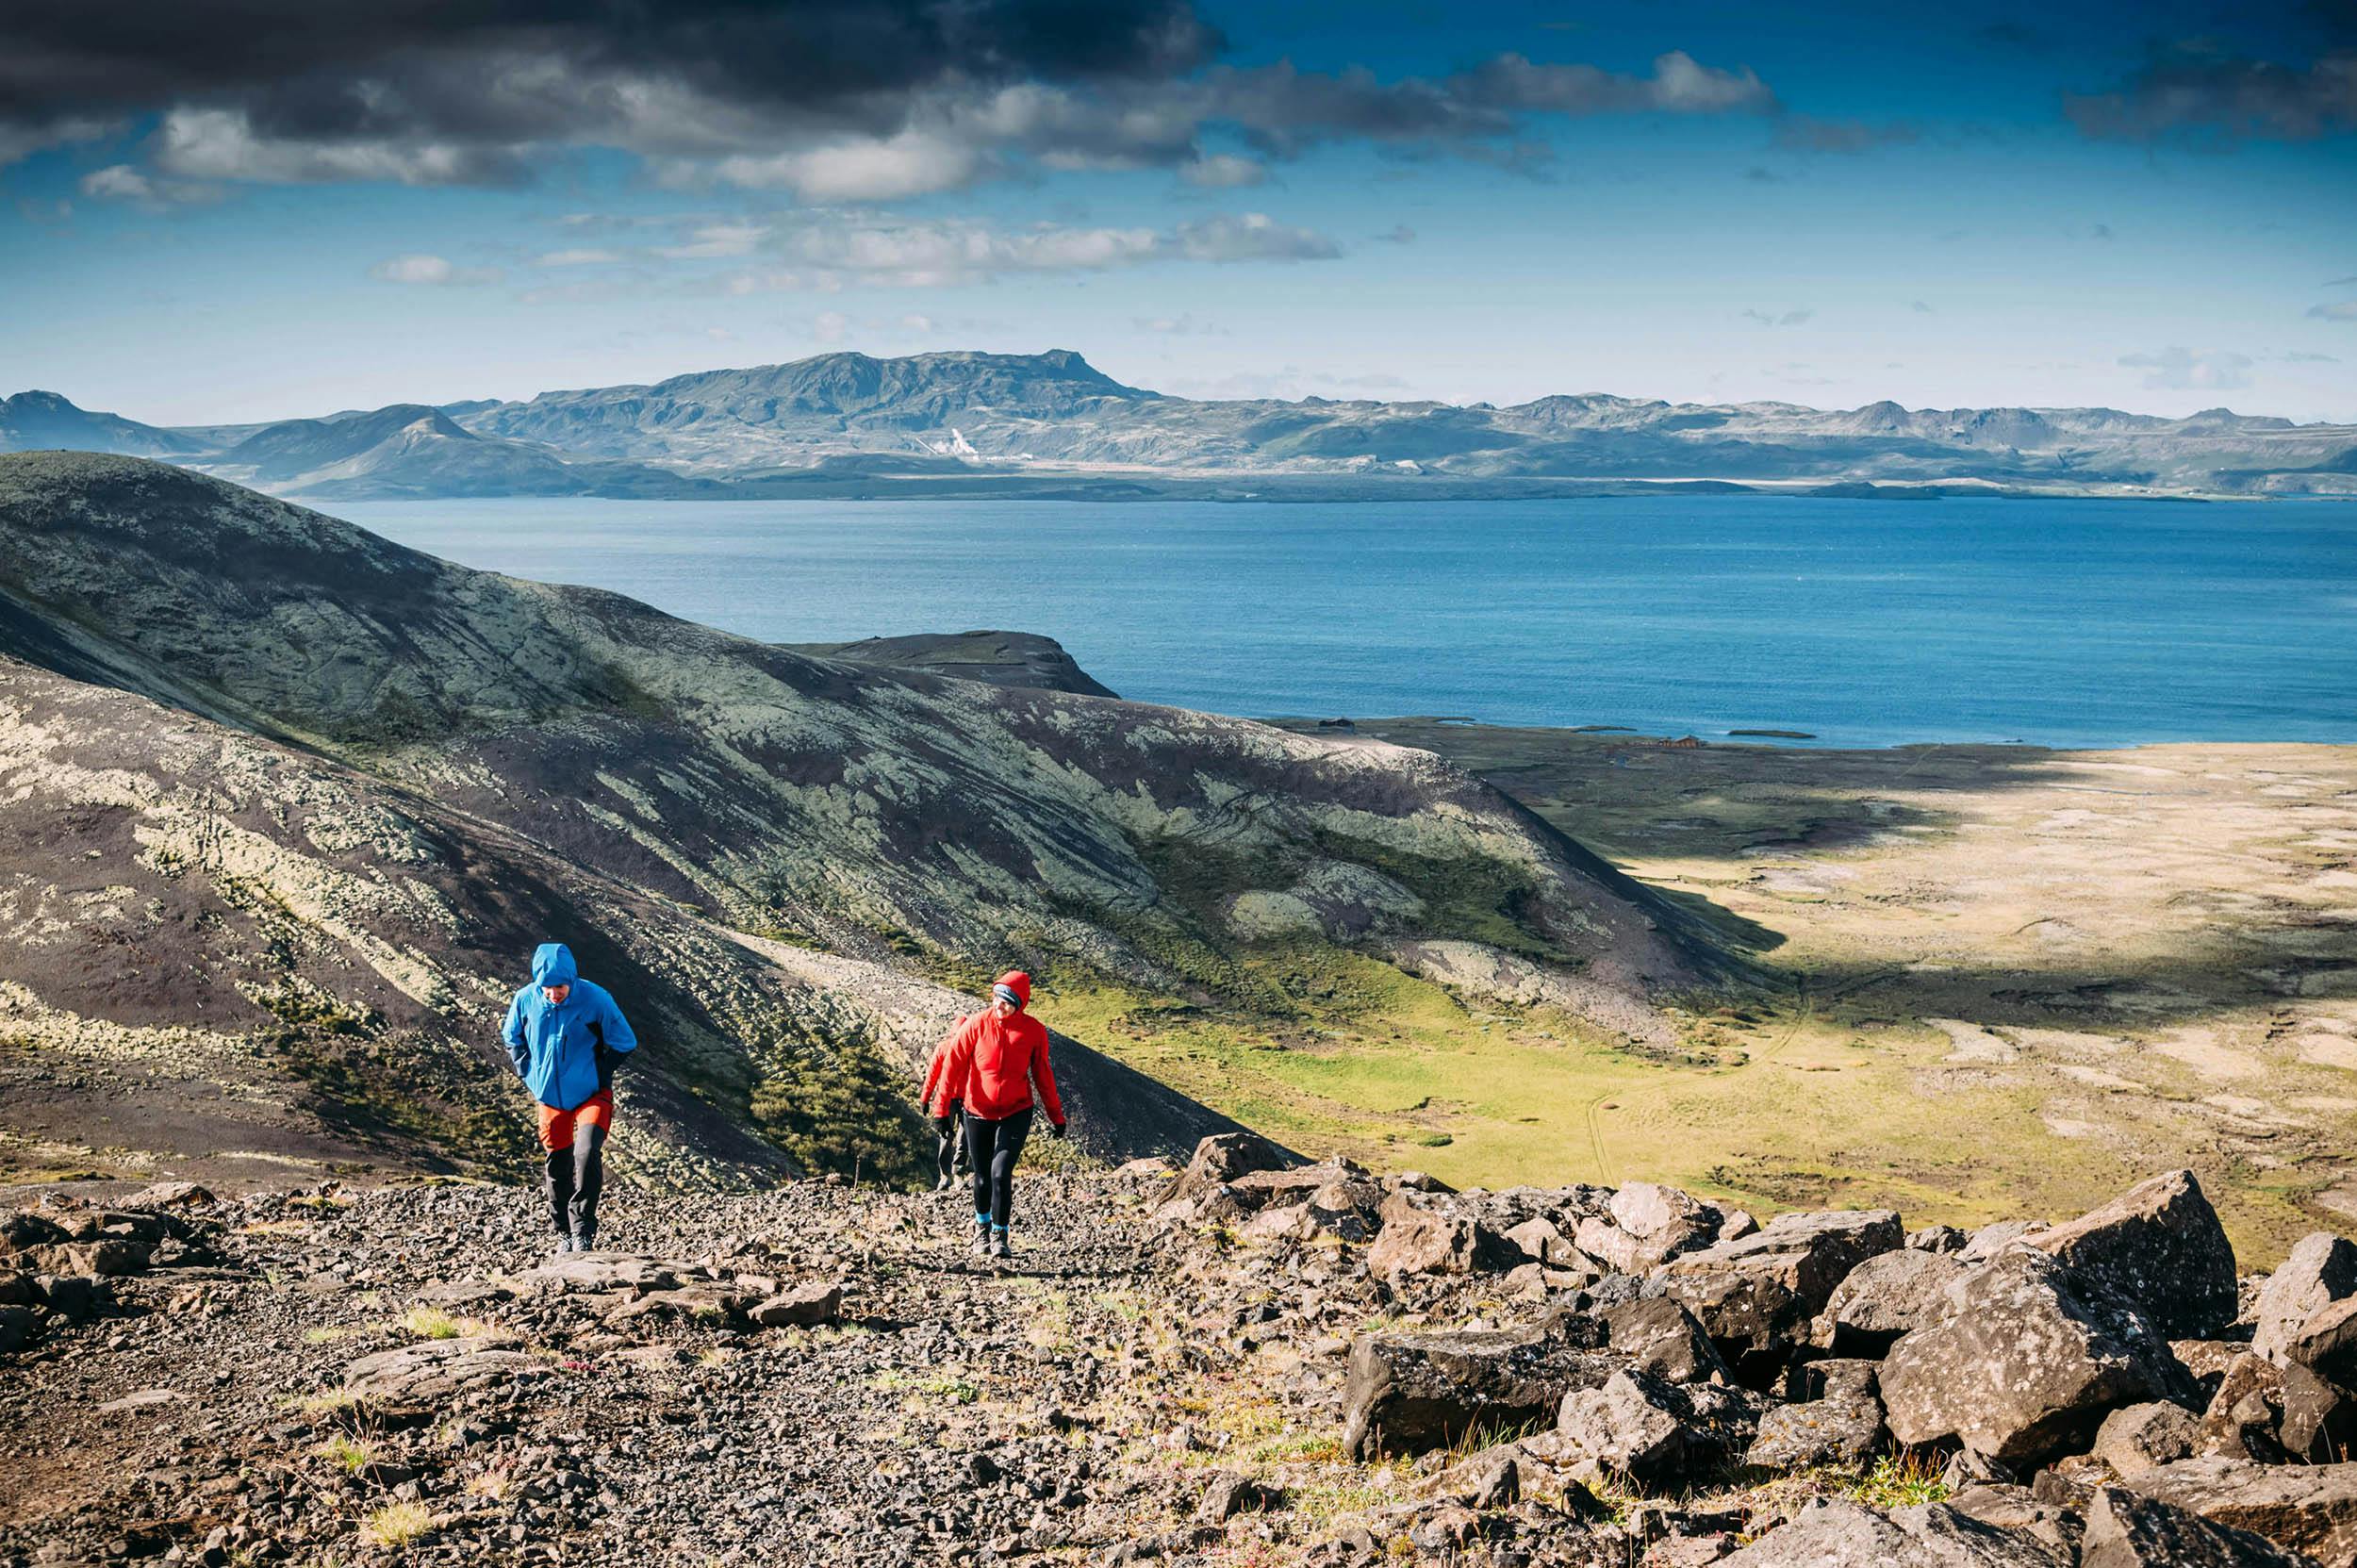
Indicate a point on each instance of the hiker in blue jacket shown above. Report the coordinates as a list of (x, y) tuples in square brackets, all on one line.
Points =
[(563, 1034)]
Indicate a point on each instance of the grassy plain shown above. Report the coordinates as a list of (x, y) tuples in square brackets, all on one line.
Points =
[(2000, 980)]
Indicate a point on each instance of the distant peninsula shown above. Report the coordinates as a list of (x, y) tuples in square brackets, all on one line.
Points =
[(1051, 426)]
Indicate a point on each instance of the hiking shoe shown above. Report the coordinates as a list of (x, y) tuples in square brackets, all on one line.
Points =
[(944, 1184), (998, 1247), (585, 1241), (564, 1243), (980, 1243)]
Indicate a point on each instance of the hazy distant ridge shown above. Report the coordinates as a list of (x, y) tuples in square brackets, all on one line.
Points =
[(765, 429)]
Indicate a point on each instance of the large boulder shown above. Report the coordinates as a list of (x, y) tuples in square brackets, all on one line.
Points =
[(2305, 1508), (2125, 1529), (2026, 1368), (1662, 1338), (2320, 1270), (2159, 1244), (1221, 1159), (1845, 1535), (1759, 1295), (1885, 1297), (1634, 1425), (1436, 1239), (2325, 1343), (1407, 1392)]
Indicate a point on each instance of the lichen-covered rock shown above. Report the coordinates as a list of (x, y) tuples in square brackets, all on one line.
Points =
[(2137, 1438), (1758, 1295), (2159, 1245), (1885, 1297), (2244, 1411), (1845, 1535), (1843, 1431), (2125, 1529), (2321, 1269), (2026, 1367), (1662, 1338), (1407, 1392), (1440, 1239), (2303, 1508), (1634, 1425)]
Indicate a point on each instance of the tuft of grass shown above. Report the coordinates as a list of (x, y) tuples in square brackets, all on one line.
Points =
[(348, 1453), (1900, 1480), (396, 1525), (432, 1323), (327, 1335)]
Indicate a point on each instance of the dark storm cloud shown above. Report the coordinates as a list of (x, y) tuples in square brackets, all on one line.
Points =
[(456, 90), (833, 99), (2302, 88)]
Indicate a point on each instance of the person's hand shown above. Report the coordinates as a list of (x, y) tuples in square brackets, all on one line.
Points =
[(1055, 1129)]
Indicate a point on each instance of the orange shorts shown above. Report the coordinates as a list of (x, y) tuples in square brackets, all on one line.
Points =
[(556, 1127)]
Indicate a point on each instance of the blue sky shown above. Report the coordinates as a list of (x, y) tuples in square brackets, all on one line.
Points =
[(2151, 207)]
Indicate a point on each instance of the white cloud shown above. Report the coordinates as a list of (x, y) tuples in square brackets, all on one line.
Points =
[(1222, 171), (220, 145), (830, 327), (715, 239), (119, 182), (1253, 236), (2182, 370), (432, 271), (576, 259), (1769, 318), (2339, 311), (912, 163)]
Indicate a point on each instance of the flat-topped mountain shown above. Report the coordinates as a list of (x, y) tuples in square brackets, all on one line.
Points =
[(329, 789), (1051, 425), (33, 421)]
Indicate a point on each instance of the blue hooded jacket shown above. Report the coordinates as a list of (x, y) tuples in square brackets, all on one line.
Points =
[(563, 1051)]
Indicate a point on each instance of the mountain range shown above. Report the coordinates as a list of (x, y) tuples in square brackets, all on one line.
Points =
[(290, 805), (1051, 424)]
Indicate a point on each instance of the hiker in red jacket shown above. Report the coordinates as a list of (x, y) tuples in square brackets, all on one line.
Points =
[(991, 1062), (943, 1109)]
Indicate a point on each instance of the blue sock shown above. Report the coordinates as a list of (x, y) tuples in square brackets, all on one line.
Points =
[(981, 1219)]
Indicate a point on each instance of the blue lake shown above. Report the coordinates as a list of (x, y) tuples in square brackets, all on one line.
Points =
[(1867, 623)]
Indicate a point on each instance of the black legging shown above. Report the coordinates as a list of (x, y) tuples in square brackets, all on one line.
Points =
[(994, 1148), (949, 1151), (575, 1177)]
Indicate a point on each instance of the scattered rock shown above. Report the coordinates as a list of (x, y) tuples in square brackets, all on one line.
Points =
[(2159, 1245), (2128, 1531), (1634, 1425), (1418, 1240), (2025, 1369), (1407, 1392), (2137, 1438), (1757, 1296), (2304, 1508), (800, 1307), (2321, 1269), (1844, 1535), (1885, 1297), (1663, 1339)]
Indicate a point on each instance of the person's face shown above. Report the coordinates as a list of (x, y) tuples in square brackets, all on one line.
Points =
[(1001, 1007), (556, 994)]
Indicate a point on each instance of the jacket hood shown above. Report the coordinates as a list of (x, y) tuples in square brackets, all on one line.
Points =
[(1018, 982), (553, 965)]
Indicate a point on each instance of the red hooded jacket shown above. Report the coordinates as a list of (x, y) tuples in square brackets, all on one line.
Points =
[(939, 1099), (991, 1064)]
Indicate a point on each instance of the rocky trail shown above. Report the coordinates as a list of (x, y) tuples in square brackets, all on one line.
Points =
[(1238, 1363)]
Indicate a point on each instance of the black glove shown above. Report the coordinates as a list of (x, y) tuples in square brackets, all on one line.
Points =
[(1055, 1129)]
